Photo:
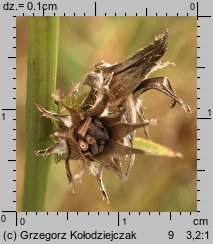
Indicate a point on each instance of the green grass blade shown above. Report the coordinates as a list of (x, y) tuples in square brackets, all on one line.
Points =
[(41, 83), (155, 148)]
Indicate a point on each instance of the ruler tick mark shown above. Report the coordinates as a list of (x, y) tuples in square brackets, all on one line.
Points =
[(204, 118), (205, 16), (16, 219), (197, 10), (8, 109), (8, 211)]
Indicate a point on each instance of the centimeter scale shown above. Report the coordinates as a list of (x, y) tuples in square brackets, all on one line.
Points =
[(176, 227)]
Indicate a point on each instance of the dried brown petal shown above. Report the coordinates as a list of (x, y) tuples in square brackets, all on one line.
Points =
[(61, 118), (130, 116), (94, 79), (59, 148), (75, 117), (99, 105), (108, 163), (69, 174), (115, 149), (108, 80), (120, 130), (161, 84), (141, 115), (111, 119), (96, 169), (127, 73), (152, 52)]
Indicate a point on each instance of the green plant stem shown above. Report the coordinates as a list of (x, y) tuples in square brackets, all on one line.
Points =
[(41, 83)]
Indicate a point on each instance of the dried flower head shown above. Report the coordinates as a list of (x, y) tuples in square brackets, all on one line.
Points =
[(101, 129)]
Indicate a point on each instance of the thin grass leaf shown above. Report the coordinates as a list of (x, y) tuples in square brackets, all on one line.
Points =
[(155, 148)]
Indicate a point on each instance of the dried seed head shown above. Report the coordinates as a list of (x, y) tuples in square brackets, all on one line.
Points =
[(94, 132)]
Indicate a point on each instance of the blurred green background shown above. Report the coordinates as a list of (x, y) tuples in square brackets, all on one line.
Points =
[(155, 183)]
